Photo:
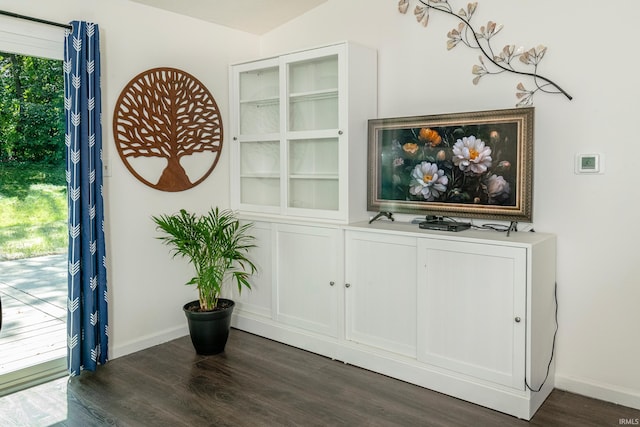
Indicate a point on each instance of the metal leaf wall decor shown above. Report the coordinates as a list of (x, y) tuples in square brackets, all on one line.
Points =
[(509, 59), (163, 117)]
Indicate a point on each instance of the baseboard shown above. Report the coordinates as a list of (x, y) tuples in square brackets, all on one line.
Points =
[(147, 341), (607, 392)]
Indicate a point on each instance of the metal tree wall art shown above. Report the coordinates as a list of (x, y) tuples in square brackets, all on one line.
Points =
[(491, 62), (163, 120)]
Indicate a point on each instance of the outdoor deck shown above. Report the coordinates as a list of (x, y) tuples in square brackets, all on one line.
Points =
[(34, 295)]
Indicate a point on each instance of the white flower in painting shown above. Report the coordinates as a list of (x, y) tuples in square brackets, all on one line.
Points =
[(471, 155), (498, 189), (428, 181)]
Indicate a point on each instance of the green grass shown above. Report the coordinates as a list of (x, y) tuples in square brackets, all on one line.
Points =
[(33, 210)]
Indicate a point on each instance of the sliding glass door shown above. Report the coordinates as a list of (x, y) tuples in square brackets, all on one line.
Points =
[(33, 207)]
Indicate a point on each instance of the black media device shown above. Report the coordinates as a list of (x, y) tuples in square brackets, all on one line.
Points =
[(442, 225)]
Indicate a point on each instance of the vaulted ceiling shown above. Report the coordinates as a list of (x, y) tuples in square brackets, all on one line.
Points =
[(253, 16)]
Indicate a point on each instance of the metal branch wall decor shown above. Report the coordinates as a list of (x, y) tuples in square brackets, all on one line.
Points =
[(507, 60), (164, 119)]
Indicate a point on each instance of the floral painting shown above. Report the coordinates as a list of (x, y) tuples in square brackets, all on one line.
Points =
[(463, 164)]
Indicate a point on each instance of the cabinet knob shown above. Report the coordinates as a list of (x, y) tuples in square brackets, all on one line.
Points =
[(235, 138), (332, 283), (340, 132), (347, 285), (518, 319)]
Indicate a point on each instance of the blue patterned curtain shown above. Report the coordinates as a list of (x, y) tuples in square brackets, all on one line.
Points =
[(87, 326)]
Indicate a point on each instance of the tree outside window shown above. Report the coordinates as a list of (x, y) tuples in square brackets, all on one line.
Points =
[(31, 109)]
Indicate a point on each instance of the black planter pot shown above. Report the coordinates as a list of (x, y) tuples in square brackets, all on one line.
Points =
[(209, 330)]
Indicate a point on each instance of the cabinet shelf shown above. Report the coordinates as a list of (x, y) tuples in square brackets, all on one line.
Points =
[(260, 102), (314, 95), (267, 175), (312, 176)]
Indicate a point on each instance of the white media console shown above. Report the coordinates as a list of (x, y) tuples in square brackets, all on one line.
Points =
[(469, 314)]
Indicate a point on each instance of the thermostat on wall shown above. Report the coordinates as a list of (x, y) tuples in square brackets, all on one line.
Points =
[(588, 163)]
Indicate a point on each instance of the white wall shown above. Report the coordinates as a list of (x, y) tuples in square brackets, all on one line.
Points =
[(145, 285), (592, 56)]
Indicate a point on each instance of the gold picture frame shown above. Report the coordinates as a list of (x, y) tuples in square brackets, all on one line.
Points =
[(474, 164)]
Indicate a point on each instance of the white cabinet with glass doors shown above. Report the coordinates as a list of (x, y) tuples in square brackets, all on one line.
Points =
[(299, 125)]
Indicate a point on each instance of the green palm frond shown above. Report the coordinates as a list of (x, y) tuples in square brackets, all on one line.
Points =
[(216, 244)]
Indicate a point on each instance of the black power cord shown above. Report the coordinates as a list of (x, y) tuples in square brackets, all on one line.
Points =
[(553, 346)]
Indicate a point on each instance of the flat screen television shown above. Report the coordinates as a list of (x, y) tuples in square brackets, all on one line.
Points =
[(475, 164)]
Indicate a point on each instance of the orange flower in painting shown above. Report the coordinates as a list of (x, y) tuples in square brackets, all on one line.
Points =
[(410, 147), (430, 136)]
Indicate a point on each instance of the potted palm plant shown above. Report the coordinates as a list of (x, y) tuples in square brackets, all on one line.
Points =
[(217, 245)]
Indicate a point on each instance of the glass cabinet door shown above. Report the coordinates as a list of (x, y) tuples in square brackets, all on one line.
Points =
[(300, 142), (260, 173), (313, 115), (259, 101), (259, 143), (313, 94), (313, 174)]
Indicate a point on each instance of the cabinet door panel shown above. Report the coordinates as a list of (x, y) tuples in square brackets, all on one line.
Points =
[(313, 91), (316, 151), (381, 297), (256, 145), (314, 181), (260, 172), (470, 296), (307, 260), (259, 100), (258, 299)]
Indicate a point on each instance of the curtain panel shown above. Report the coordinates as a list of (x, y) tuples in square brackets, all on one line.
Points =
[(87, 322)]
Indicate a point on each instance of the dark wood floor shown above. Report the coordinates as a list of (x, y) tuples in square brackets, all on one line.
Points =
[(258, 382)]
